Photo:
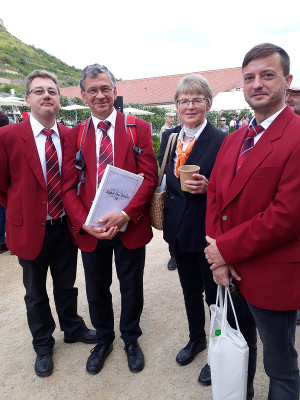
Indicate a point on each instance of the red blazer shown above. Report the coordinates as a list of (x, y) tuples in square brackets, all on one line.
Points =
[(23, 189), (255, 215), (138, 232)]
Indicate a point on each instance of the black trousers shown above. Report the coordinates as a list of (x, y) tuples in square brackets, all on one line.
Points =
[(60, 254), (195, 278), (248, 328), (98, 276)]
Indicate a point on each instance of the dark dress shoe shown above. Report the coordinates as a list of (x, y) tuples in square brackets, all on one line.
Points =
[(3, 248), (172, 264), (43, 365), (189, 352), (205, 376), (88, 337), (98, 355), (135, 356)]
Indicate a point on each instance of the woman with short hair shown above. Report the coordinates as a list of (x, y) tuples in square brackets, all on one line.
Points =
[(197, 144)]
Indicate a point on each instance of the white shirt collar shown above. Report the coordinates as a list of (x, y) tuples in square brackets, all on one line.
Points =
[(37, 127), (267, 122), (111, 118), (200, 129)]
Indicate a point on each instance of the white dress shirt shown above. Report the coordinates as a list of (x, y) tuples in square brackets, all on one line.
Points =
[(186, 143), (40, 141), (265, 124), (110, 132)]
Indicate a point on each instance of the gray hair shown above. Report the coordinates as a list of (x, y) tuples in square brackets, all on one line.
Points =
[(194, 84), (40, 74), (92, 71)]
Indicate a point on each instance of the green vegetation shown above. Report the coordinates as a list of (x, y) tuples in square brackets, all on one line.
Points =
[(19, 90), (22, 59), (156, 144)]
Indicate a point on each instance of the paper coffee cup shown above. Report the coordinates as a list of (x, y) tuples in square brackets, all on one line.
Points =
[(186, 174)]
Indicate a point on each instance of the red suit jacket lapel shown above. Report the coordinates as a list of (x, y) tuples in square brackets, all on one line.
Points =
[(233, 184), (30, 150), (121, 142), (89, 155)]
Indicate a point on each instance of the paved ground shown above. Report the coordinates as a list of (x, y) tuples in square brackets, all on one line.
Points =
[(165, 332)]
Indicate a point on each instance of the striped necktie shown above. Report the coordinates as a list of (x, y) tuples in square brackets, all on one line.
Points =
[(106, 149), (248, 144), (55, 207)]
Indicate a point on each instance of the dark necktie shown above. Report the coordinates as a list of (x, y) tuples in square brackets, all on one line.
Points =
[(248, 144), (106, 149), (55, 207)]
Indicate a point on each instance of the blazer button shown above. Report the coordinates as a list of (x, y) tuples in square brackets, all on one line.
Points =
[(172, 197), (224, 218), (44, 202), (43, 224)]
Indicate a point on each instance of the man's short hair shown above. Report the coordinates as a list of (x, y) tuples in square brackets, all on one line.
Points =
[(4, 120), (194, 84), (266, 50), (40, 74), (92, 71)]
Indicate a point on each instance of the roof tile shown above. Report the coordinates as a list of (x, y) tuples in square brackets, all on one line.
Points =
[(161, 90)]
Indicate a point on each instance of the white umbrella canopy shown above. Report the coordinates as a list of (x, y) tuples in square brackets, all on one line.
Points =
[(74, 107), (168, 107), (136, 111), (12, 101)]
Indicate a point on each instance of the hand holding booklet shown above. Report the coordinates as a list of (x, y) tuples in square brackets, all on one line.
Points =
[(117, 188)]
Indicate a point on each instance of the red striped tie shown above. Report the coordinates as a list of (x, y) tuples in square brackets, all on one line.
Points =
[(106, 149), (55, 207), (248, 144)]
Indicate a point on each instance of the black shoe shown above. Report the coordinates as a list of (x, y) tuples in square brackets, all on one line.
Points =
[(172, 264), (43, 365), (88, 337), (98, 355), (3, 248), (189, 352), (298, 318), (205, 376), (135, 356)]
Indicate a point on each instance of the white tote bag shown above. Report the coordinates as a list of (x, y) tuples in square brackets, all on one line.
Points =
[(228, 353)]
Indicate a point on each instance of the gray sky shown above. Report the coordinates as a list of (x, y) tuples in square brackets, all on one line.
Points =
[(139, 39)]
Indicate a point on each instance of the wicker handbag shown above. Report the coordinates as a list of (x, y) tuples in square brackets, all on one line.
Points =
[(160, 196)]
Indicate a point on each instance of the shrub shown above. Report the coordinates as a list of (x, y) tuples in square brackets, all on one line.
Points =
[(156, 144)]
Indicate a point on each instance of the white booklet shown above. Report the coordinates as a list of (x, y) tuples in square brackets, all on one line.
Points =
[(117, 188)]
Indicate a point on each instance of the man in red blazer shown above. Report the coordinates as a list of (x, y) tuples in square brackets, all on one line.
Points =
[(253, 218), (36, 227), (107, 135)]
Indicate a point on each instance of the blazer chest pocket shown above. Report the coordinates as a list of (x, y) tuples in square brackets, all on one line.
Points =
[(269, 172), (14, 219)]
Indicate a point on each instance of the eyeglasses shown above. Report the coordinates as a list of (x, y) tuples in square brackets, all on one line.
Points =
[(41, 92), (184, 103), (223, 120), (106, 90)]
